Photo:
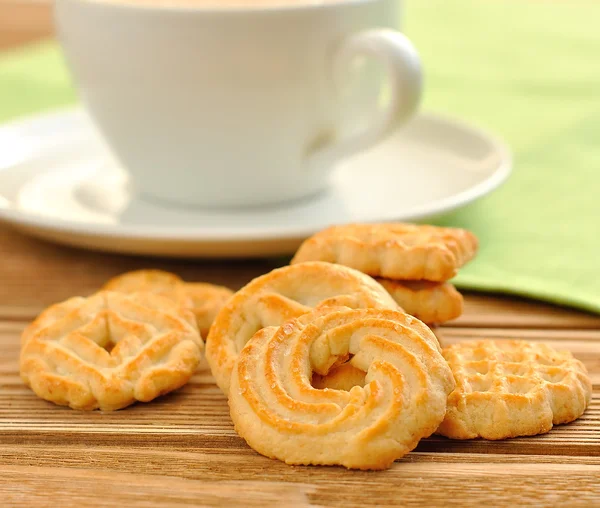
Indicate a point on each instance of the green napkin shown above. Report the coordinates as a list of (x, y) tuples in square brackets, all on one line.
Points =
[(33, 79), (525, 69), (530, 71)]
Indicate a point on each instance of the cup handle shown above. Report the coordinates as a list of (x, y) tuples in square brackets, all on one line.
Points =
[(403, 68)]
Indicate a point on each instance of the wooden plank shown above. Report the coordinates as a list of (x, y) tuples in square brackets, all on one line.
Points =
[(193, 462), (407, 484), (492, 311), (67, 487), (35, 274)]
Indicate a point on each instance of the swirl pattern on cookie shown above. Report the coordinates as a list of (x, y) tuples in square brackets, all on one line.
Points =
[(280, 414), (280, 295)]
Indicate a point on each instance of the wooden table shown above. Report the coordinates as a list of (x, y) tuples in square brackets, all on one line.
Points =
[(182, 449)]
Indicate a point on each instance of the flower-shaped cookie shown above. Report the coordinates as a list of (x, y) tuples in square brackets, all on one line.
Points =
[(109, 350)]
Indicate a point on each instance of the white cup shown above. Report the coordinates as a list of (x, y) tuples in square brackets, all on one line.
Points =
[(230, 107)]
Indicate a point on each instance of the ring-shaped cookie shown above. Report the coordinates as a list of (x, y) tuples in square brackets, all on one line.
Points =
[(280, 414), (109, 350), (280, 295)]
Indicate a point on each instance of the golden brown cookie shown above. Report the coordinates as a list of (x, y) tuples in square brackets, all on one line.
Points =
[(431, 302), (203, 299), (393, 251), (159, 282), (109, 350), (280, 295), (512, 388), (281, 415), (206, 302)]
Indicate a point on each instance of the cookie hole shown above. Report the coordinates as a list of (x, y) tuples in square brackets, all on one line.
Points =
[(481, 367), (105, 341), (481, 384), (109, 346), (520, 386), (97, 331), (344, 377)]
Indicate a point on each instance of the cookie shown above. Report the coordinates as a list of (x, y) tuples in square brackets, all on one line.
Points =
[(160, 282), (109, 350), (512, 388), (203, 299), (280, 295), (281, 415), (431, 302), (206, 302), (393, 251)]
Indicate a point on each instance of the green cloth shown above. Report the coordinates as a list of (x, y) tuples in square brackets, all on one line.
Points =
[(527, 70)]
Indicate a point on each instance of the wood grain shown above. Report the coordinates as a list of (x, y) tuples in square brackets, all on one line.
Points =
[(413, 486), (182, 450)]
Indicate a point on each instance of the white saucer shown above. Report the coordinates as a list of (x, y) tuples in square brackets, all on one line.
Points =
[(58, 182)]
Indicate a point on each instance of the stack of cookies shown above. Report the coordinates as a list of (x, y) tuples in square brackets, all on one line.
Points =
[(413, 263), (319, 363)]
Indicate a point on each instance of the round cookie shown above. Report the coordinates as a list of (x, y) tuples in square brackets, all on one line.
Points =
[(159, 282), (109, 350), (203, 299), (282, 294), (206, 302), (512, 388), (280, 414)]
